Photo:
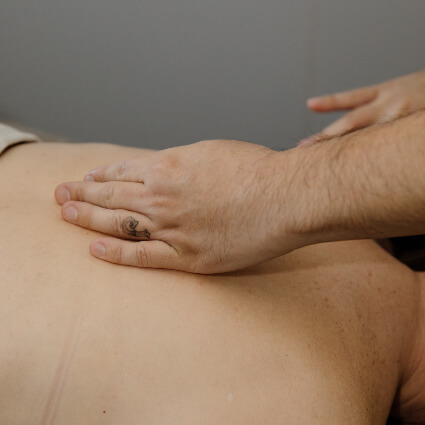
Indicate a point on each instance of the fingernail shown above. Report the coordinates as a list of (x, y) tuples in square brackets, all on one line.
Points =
[(98, 249), (89, 178), (313, 99), (63, 195), (70, 214)]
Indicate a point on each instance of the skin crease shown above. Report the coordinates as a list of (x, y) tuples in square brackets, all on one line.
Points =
[(371, 105), (328, 334)]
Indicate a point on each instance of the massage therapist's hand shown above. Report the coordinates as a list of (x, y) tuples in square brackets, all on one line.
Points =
[(208, 207), (374, 104)]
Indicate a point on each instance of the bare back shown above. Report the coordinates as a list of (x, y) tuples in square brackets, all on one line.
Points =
[(316, 335)]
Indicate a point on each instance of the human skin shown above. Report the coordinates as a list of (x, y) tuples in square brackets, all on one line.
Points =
[(373, 182), (218, 206), (373, 104), (199, 204), (329, 334)]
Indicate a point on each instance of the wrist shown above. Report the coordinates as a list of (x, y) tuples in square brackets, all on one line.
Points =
[(304, 194), (367, 184)]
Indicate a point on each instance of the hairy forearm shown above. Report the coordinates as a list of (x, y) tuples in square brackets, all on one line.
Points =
[(368, 184)]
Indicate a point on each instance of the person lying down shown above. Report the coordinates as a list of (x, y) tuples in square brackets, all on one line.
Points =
[(328, 334)]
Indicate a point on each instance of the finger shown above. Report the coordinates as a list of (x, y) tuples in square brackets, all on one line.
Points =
[(119, 223), (111, 195), (354, 120), (311, 140), (344, 100), (153, 254), (131, 170)]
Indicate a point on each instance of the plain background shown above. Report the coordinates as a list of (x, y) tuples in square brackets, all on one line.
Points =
[(158, 74)]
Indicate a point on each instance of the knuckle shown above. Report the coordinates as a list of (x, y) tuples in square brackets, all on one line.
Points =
[(117, 254), (79, 192), (142, 256), (403, 107), (87, 219), (122, 167), (349, 122), (159, 203), (106, 195), (333, 98), (116, 224), (165, 165), (160, 167)]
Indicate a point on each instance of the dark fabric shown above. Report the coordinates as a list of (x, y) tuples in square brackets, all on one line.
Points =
[(410, 250)]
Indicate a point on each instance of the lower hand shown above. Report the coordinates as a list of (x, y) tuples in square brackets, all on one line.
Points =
[(208, 207)]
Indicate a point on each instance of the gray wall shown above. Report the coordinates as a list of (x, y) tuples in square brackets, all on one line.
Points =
[(161, 73)]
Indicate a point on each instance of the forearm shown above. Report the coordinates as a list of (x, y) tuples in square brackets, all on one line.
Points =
[(368, 184)]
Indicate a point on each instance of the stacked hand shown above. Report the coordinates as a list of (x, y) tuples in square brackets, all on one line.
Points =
[(371, 105), (203, 208)]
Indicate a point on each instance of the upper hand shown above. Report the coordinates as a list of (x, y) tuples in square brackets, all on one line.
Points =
[(373, 104), (203, 208)]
